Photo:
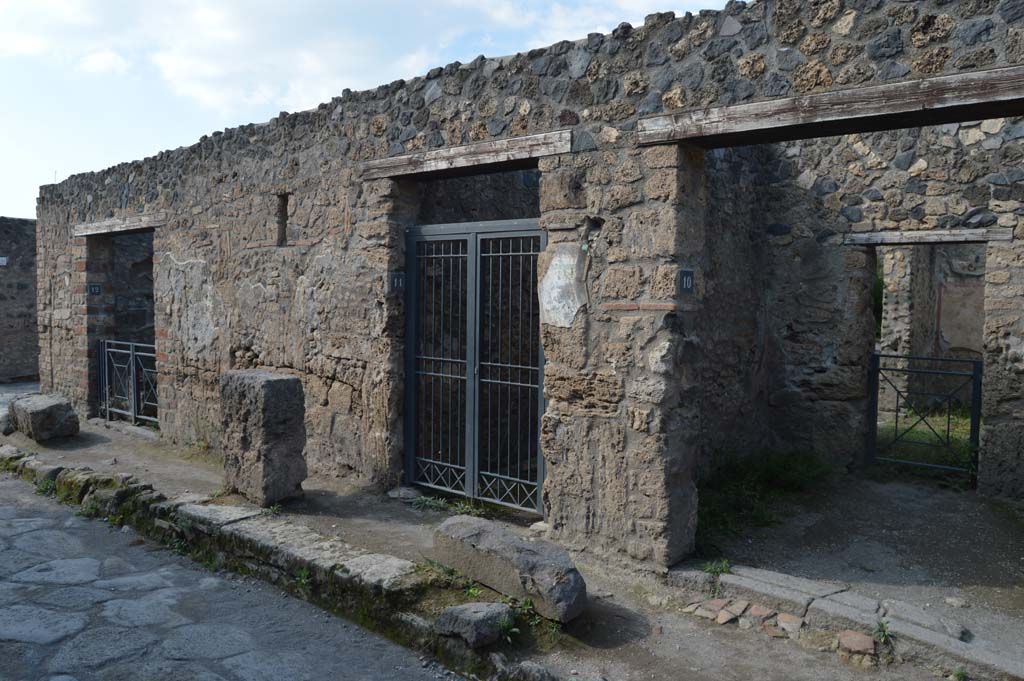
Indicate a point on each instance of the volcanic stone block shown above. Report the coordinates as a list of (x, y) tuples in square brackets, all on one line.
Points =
[(264, 435), (478, 624), (492, 555), (44, 417)]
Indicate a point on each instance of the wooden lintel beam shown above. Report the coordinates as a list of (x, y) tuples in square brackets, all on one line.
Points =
[(115, 225), (927, 101), (928, 236), (478, 154)]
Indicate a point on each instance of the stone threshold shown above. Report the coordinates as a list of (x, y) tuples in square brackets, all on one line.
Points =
[(377, 591), (831, 616)]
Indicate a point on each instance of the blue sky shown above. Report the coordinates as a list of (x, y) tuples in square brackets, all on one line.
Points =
[(86, 84)]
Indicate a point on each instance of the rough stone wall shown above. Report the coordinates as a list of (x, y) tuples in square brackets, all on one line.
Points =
[(736, 371), (494, 196), (19, 346), (622, 432), (1001, 467)]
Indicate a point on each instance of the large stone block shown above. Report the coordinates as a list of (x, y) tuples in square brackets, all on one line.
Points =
[(264, 435), (494, 556), (44, 417), (478, 624)]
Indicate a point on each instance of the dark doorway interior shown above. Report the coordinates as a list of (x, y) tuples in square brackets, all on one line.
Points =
[(131, 280)]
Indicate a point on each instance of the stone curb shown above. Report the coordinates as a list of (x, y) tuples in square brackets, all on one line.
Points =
[(826, 609), (374, 590)]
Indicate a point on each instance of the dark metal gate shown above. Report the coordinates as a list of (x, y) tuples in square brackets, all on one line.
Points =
[(128, 381), (474, 361), (926, 412)]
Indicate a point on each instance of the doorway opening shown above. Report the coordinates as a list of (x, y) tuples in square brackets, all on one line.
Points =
[(122, 324), (925, 377), (475, 360), (474, 392)]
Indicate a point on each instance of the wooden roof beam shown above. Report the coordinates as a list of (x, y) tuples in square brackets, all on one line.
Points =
[(975, 95)]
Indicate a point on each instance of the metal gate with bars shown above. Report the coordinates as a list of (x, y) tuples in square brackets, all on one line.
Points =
[(128, 381), (474, 361), (931, 415)]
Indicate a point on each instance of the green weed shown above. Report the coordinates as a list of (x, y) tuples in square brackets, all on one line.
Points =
[(302, 579), (47, 488), (882, 633), (272, 511), (508, 629), (960, 675), (464, 507), (426, 503), (718, 567), (473, 590)]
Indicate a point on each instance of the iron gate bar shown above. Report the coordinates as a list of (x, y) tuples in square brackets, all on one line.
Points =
[(131, 385), (877, 372), (907, 393), (473, 235)]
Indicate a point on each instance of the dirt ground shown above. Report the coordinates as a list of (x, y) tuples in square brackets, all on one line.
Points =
[(893, 535), (888, 538)]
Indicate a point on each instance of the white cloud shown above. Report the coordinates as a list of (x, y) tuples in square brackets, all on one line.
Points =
[(234, 56), (104, 61), (13, 44)]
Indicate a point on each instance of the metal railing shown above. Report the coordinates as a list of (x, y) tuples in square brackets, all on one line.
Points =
[(128, 381), (926, 394)]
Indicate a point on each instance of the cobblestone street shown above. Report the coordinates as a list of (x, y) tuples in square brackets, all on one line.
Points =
[(81, 601)]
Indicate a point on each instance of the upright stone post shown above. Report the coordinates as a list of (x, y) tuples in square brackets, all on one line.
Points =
[(619, 436), (264, 435), (1001, 465)]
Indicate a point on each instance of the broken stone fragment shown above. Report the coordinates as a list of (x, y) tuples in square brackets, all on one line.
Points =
[(492, 555), (725, 617), (478, 624), (790, 623), (44, 417), (856, 643), (264, 435), (405, 493)]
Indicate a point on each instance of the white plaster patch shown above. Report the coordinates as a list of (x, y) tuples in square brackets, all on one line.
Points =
[(562, 292)]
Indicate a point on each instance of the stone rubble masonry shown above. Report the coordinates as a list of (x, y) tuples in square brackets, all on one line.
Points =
[(829, 616), (264, 435), (520, 568), (44, 417), (649, 384), (19, 343), (382, 592)]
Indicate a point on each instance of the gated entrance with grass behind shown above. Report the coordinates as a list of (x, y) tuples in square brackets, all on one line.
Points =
[(474, 361), (930, 415)]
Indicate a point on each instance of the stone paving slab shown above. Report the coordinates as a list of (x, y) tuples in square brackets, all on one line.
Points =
[(817, 589), (374, 587), (917, 634), (150, 614), (824, 613), (772, 595), (210, 518), (855, 600)]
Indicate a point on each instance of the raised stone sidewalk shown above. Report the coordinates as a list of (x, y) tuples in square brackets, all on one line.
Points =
[(381, 592), (831, 616), (361, 580)]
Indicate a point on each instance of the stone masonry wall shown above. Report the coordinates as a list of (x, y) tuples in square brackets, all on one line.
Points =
[(622, 432), (19, 346)]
